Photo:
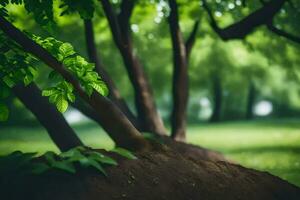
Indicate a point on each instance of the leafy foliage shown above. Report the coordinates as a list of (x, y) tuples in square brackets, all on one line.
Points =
[(123, 152), (15, 67), (4, 112), (60, 95), (42, 10), (85, 8), (77, 65), (24, 163)]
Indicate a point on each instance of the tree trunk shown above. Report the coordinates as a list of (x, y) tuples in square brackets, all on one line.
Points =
[(54, 122), (145, 105), (180, 76), (114, 93), (250, 101), (120, 27), (181, 53), (217, 99)]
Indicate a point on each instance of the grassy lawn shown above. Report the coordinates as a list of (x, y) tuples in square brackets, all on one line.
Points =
[(272, 146)]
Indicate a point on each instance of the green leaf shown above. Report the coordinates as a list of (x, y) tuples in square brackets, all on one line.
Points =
[(100, 87), (50, 156), (71, 97), (39, 168), (55, 76), (28, 79), (52, 98), (4, 112), (86, 162), (61, 104), (66, 50), (96, 165), (48, 92), (33, 71), (4, 91), (73, 155), (102, 158), (125, 153), (88, 89), (65, 166), (8, 81), (15, 161)]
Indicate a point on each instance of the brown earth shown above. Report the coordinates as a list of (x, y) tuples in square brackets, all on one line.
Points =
[(155, 175)]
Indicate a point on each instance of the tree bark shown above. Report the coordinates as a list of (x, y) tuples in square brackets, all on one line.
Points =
[(217, 99), (120, 28), (180, 76), (114, 93), (181, 52), (113, 121), (282, 33), (57, 127), (250, 101)]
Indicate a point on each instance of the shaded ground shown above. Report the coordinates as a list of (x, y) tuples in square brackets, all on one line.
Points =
[(160, 175), (271, 146)]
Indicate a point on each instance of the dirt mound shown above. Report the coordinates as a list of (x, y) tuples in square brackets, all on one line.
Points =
[(155, 175), (193, 152)]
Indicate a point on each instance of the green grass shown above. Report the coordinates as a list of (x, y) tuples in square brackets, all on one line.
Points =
[(272, 146)]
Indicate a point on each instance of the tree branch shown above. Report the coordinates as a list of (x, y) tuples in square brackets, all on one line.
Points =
[(57, 127), (114, 93), (191, 39), (279, 32), (282, 33), (113, 120), (86, 110), (113, 22), (242, 28), (127, 7)]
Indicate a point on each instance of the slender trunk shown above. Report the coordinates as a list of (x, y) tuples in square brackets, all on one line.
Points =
[(54, 122), (250, 102), (120, 28), (180, 76), (114, 93), (217, 99), (181, 53), (145, 105), (113, 121)]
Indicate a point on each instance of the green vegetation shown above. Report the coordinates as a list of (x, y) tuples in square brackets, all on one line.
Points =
[(23, 163), (272, 146)]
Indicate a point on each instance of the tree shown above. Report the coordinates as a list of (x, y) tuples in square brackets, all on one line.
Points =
[(181, 52), (107, 112), (113, 113), (120, 28), (73, 78)]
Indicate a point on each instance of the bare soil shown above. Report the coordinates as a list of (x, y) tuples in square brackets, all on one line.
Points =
[(155, 175)]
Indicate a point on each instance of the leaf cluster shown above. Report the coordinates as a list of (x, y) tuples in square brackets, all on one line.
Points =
[(18, 163), (15, 67), (42, 10), (77, 65)]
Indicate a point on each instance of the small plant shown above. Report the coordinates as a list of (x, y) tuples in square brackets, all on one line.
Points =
[(23, 163)]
